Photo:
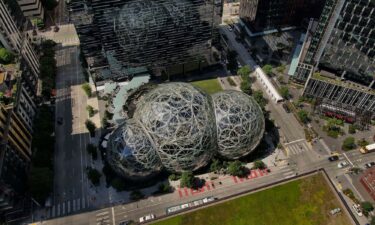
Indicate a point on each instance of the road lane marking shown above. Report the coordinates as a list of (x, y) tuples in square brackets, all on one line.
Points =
[(294, 141), (348, 159), (113, 215)]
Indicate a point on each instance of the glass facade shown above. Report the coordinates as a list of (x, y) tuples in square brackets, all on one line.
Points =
[(151, 33)]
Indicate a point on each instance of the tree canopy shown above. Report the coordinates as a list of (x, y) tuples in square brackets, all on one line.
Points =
[(187, 179), (348, 144), (236, 169), (303, 116), (6, 56)]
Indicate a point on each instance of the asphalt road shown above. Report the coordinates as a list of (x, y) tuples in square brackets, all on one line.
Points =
[(71, 159)]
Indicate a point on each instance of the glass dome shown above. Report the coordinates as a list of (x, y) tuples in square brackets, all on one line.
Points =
[(180, 120), (240, 123), (131, 153)]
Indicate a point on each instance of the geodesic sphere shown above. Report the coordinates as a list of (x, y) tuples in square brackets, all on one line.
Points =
[(240, 123), (130, 152), (180, 120)]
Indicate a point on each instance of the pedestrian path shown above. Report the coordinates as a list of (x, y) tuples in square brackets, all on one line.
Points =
[(103, 218), (67, 207), (298, 147)]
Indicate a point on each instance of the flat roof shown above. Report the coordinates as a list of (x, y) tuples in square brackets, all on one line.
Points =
[(296, 56)]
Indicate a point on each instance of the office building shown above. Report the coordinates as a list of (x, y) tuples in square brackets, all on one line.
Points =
[(261, 15), (15, 37), (174, 36), (17, 111), (338, 61), (32, 8)]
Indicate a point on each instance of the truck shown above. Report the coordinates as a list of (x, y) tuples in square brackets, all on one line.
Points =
[(367, 148)]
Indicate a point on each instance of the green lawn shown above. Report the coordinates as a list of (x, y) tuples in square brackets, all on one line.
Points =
[(211, 86), (301, 202)]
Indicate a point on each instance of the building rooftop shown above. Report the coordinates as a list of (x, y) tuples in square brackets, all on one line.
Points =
[(9, 75), (344, 83)]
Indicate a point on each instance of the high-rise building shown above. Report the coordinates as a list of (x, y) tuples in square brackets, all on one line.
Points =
[(338, 63), (261, 15), (174, 36), (16, 114), (15, 36), (32, 8)]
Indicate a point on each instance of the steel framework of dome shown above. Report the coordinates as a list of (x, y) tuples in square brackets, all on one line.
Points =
[(179, 127), (179, 118), (240, 123), (132, 153)]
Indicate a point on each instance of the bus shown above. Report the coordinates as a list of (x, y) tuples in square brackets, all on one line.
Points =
[(367, 148)]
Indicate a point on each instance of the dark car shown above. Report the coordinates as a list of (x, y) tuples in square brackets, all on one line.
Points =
[(60, 121), (370, 164), (286, 108), (128, 222), (56, 29), (333, 158)]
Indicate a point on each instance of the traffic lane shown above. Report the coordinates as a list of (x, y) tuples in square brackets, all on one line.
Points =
[(159, 207)]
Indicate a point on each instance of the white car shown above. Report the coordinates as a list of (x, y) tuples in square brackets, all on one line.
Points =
[(342, 164), (357, 209), (146, 218)]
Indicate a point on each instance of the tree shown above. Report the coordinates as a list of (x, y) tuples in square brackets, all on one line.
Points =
[(280, 69), (259, 164), (6, 56), (284, 91), (90, 110), (367, 207), (118, 184), (93, 175), (351, 129), (348, 144), (244, 71), (258, 96), (303, 116), (236, 169), (90, 127), (267, 69), (187, 179), (92, 150), (246, 86), (87, 89), (173, 177), (164, 188), (136, 195), (362, 142)]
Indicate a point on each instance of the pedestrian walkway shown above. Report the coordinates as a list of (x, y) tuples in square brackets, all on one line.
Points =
[(297, 147), (66, 207), (103, 218)]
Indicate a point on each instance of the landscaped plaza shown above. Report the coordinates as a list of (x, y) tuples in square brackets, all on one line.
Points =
[(306, 201)]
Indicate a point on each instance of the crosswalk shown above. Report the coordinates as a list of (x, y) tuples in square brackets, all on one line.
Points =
[(103, 218), (67, 207), (287, 172), (299, 147)]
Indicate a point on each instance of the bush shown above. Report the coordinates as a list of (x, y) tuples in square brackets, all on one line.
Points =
[(284, 92), (280, 69), (258, 96), (118, 184), (362, 142), (259, 164), (187, 179), (348, 144), (87, 89), (92, 150), (367, 207), (303, 116), (372, 220), (90, 110), (6, 56), (216, 166), (236, 169), (93, 175), (244, 71), (231, 81), (348, 192), (164, 188), (136, 195), (173, 177), (246, 86), (352, 129)]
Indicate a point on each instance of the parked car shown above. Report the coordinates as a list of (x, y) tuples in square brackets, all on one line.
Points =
[(370, 164), (56, 29), (125, 222), (342, 164), (286, 108), (333, 158), (146, 218), (357, 209)]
